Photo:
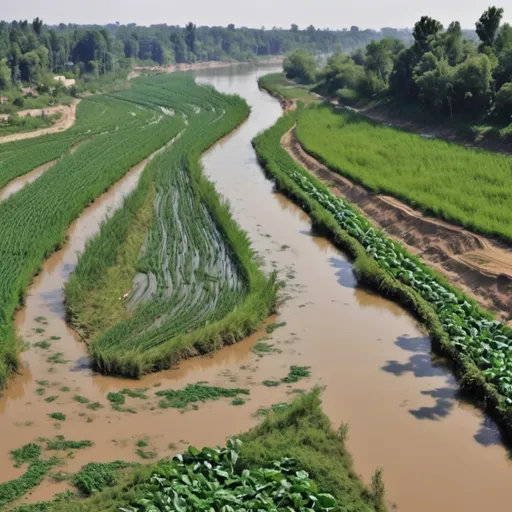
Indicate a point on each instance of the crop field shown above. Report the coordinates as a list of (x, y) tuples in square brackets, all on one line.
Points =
[(276, 83), (33, 221), (472, 188), (187, 275), (478, 343)]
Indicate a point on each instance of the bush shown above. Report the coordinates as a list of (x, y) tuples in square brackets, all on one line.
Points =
[(503, 108), (19, 101)]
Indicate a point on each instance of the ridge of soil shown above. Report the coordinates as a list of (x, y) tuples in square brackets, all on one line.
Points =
[(480, 266), (66, 121)]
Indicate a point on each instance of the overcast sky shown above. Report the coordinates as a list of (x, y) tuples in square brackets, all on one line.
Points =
[(252, 13)]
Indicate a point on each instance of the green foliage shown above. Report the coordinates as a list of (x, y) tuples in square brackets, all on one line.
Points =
[(96, 476), (272, 327), (51, 399), (146, 454), (271, 383), (437, 176), (81, 399), (136, 393), (193, 393), (238, 401), (262, 349), (60, 443), (189, 480), (58, 416), (504, 102), (142, 443), (297, 373), (300, 66), (116, 398), (27, 453), (275, 408)]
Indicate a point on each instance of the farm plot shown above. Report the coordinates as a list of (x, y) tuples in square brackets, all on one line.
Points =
[(472, 188), (479, 344), (33, 221), (190, 283)]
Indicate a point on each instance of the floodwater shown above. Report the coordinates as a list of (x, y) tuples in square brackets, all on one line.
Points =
[(403, 406)]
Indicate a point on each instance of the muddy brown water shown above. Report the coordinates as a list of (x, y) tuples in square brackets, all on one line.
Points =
[(405, 412)]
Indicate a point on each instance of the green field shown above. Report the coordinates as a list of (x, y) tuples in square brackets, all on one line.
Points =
[(188, 268), (277, 84), (469, 187), (478, 344)]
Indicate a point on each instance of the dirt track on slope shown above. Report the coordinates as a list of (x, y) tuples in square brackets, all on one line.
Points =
[(480, 266), (66, 121)]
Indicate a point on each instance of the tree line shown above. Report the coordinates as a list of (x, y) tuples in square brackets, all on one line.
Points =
[(28, 50), (442, 70)]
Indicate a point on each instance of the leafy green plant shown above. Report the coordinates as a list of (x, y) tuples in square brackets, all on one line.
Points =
[(51, 399), (272, 327), (238, 401), (193, 393), (27, 453), (96, 476), (58, 416), (60, 443), (261, 349), (188, 482), (116, 398), (271, 383), (81, 399), (146, 454)]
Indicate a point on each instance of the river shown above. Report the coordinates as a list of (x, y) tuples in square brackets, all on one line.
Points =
[(403, 406)]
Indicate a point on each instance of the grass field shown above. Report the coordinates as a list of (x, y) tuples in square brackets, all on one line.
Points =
[(188, 269), (301, 432), (469, 187), (276, 83)]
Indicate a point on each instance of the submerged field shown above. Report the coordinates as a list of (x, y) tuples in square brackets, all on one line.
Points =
[(197, 271), (470, 187)]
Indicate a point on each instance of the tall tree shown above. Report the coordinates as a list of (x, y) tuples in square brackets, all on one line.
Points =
[(425, 31), (190, 37), (488, 24)]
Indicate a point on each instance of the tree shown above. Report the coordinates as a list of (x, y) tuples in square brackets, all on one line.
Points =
[(5, 75), (300, 66), (179, 47), (294, 28), (503, 39), (503, 106), (425, 31), (488, 24), (37, 25), (190, 37), (452, 44)]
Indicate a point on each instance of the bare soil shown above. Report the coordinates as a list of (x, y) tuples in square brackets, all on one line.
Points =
[(66, 121), (480, 266)]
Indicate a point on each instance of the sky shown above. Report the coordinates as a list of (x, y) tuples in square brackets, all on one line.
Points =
[(333, 14)]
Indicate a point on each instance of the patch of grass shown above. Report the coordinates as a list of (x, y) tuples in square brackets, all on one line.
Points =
[(57, 358), (39, 330), (55, 338), (142, 443), (41, 320), (58, 416), (116, 398), (238, 401), (193, 393), (279, 407), (40, 391), (60, 443), (272, 327), (26, 453), (297, 373), (94, 406), (81, 399), (271, 383), (120, 408), (146, 454), (261, 349), (43, 382), (65, 389), (51, 399), (45, 345), (135, 393)]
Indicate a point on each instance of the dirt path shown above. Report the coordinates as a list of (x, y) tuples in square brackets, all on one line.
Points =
[(66, 121), (480, 266)]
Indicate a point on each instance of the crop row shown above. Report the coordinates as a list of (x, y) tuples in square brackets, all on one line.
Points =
[(196, 286), (481, 345), (33, 221)]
